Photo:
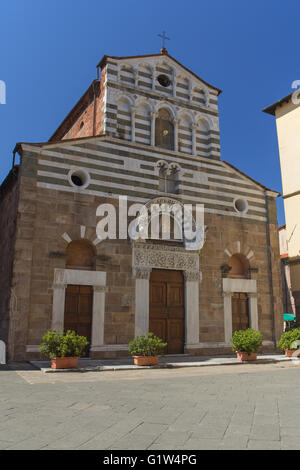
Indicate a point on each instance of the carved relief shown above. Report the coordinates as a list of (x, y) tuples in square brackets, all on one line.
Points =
[(154, 256)]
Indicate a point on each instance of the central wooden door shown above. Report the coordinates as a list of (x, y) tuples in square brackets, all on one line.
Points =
[(166, 312), (240, 311), (78, 311)]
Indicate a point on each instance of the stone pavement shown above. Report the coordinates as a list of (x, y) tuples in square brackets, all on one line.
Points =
[(247, 406)]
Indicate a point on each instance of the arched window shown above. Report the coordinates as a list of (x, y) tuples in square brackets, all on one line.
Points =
[(239, 266), (80, 255), (164, 130)]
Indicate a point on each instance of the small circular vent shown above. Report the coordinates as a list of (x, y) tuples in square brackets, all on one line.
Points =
[(79, 178), (241, 205)]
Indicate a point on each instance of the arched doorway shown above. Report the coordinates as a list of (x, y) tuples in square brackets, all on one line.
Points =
[(79, 298)]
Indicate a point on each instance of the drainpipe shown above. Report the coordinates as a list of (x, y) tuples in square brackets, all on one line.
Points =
[(270, 269)]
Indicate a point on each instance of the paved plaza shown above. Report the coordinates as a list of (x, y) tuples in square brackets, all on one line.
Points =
[(247, 406)]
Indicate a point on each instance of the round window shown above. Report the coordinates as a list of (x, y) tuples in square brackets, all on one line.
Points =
[(163, 80), (79, 178), (241, 205)]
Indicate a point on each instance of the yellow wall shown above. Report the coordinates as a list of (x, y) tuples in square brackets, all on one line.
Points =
[(288, 131)]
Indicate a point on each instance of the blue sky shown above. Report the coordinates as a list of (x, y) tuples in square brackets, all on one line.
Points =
[(49, 51)]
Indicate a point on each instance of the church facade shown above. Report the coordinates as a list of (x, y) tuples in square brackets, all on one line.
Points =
[(147, 130)]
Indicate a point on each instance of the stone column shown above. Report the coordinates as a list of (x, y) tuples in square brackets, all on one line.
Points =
[(191, 307), (133, 110), (153, 80), (153, 116), (227, 316), (194, 133), (98, 316), (58, 308), (135, 76), (142, 277), (253, 312), (175, 122), (174, 83)]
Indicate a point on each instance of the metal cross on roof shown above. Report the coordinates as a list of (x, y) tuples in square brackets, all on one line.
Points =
[(164, 37)]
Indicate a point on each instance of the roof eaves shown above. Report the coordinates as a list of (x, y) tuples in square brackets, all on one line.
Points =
[(272, 108), (56, 142)]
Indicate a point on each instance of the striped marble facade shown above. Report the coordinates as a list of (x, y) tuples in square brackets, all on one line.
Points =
[(116, 168), (134, 97)]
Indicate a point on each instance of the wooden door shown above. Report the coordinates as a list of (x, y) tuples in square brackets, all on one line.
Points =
[(78, 310), (240, 311), (166, 312)]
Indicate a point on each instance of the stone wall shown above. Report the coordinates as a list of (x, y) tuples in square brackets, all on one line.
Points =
[(9, 191), (48, 219)]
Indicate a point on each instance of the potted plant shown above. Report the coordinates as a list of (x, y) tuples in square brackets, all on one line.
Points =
[(146, 349), (63, 349), (288, 341), (246, 344)]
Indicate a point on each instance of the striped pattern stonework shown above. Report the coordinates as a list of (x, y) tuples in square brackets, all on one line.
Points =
[(127, 75), (182, 88), (145, 78), (143, 125), (185, 135), (119, 168)]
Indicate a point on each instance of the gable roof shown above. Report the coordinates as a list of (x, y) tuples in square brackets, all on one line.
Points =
[(163, 53)]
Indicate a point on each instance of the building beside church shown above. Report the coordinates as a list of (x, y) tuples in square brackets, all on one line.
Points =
[(146, 128), (287, 114)]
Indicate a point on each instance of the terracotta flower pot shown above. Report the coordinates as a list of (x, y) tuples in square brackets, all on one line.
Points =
[(291, 352), (145, 360), (64, 362), (243, 356)]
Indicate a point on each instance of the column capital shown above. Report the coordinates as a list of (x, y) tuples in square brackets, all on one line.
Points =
[(59, 286), (227, 294), (252, 295), (99, 288), (192, 276), (141, 272)]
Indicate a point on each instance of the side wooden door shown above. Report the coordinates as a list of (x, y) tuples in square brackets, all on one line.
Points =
[(240, 311), (78, 310)]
